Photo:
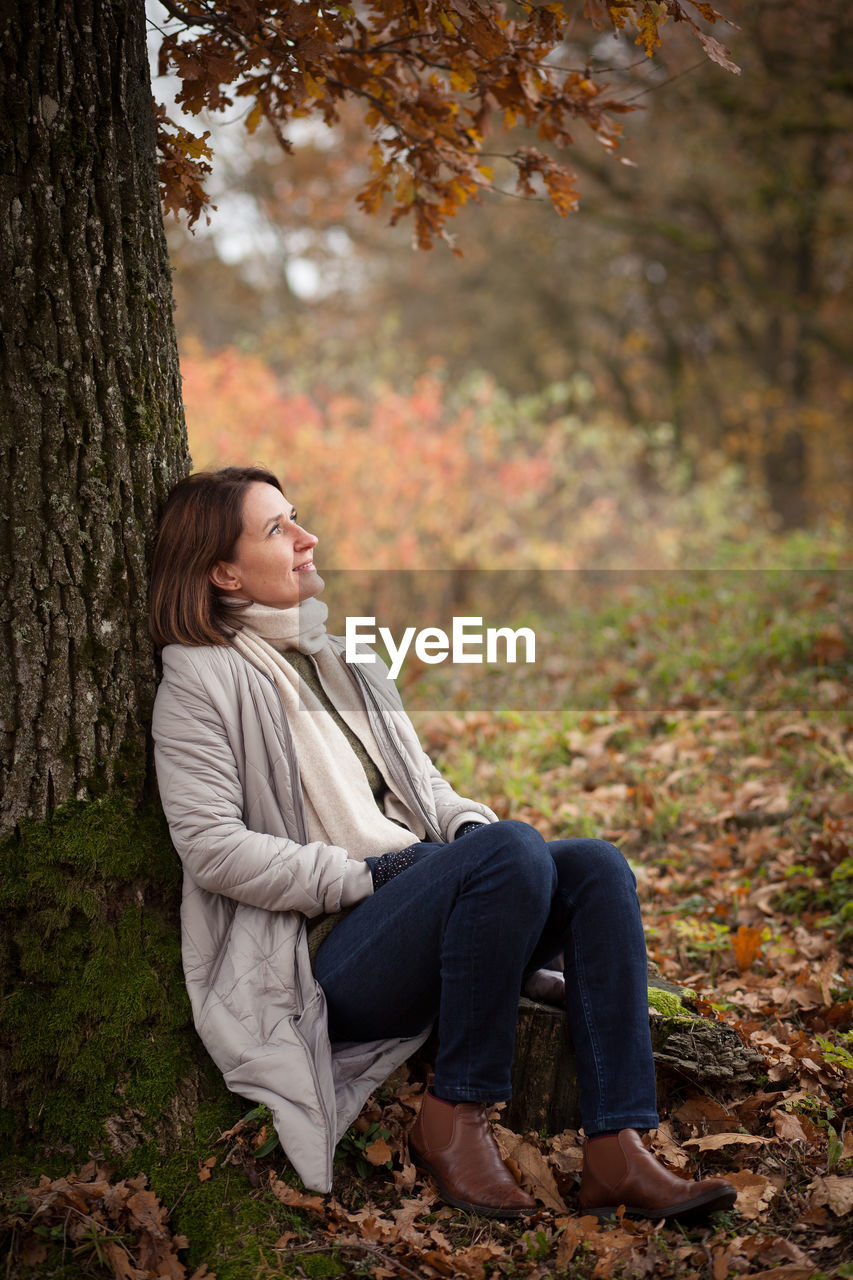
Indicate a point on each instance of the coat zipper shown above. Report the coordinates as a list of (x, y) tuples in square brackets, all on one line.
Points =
[(330, 1129)]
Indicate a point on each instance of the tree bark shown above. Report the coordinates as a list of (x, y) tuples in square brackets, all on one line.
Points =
[(91, 422), (545, 1091)]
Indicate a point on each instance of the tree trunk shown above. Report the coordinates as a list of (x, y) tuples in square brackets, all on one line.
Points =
[(786, 476), (91, 421), (545, 1092), (94, 1014), (544, 1082)]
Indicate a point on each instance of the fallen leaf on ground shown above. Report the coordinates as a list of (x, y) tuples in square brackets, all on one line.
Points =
[(713, 1141), (471, 1262), (777, 1249), (404, 1218), (833, 1191), (378, 1152), (664, 1143), (295, 1199), (284, 1241), (33, 1252), (746, 945), (704, 1115), (612, 1246), (405, 1178), (147, 1212), (571, 1238), (119, 1260), (536, 1176), (754, 1193), (565, 1152), (785, 1273), (789, 1126)]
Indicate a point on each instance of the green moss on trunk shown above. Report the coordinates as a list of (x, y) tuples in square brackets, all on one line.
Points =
[(670, 1005), (95, 1021)]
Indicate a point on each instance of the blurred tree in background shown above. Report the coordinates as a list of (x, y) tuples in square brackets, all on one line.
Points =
[(483, 480), (700, 298)]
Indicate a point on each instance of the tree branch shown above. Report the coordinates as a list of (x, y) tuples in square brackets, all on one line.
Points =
[(188, 19)]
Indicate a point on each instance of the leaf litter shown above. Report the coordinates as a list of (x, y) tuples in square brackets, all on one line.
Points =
[(121, 1224), (738, 820)]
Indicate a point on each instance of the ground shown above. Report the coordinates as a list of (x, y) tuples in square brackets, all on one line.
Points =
[(704, 727)]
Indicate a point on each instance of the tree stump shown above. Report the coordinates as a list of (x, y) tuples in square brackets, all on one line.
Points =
[(545, 1092), (686, 1048)]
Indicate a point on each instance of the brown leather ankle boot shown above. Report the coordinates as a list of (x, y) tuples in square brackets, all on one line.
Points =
[(454, 1142), (617, 1169)]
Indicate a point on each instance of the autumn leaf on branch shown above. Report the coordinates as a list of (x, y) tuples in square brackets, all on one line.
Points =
[(718, 52), (184, 163), (432, 79)]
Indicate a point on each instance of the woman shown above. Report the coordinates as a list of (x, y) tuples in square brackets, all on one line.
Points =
[(340, 897)]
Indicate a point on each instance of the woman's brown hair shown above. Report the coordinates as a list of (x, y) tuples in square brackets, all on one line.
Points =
[(200, 524)]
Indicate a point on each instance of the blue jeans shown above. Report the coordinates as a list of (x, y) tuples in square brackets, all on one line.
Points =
[(451, 938)]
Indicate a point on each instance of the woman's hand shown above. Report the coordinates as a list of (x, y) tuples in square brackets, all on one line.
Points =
[(467, 828), (389, 865)]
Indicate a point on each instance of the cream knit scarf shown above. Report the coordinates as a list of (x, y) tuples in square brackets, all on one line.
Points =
[(339, 805)]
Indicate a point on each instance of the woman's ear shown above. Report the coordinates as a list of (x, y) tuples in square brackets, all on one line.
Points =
[(223, 577)]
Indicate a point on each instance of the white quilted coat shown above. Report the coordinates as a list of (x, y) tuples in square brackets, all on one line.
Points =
[(230, 788)]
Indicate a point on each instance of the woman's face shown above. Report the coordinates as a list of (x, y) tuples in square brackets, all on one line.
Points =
[(273, 561)]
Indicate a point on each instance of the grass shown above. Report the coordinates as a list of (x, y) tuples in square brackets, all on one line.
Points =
[(702, 721)]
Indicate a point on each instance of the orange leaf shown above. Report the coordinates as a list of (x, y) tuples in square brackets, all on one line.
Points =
[(295, 1199), (746, 945), (378, 1152), (647, 27)]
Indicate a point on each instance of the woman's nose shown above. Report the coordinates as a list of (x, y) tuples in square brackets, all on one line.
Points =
[(305, 538)]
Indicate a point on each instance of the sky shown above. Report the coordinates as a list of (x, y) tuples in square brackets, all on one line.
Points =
[(238, 227)]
